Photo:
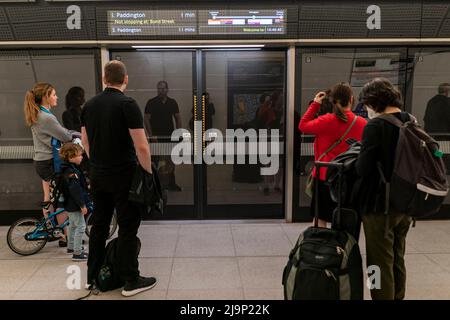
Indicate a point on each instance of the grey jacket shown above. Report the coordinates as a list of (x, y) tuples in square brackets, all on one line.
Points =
[(46, 127)]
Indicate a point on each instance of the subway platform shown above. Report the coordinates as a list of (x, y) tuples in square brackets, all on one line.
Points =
[(226, 260)]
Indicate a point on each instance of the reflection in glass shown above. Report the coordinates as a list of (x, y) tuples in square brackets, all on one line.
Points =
[(248, 89), (161, 83)]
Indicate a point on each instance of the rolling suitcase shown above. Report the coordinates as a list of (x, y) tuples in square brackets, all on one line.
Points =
[(325, 264)]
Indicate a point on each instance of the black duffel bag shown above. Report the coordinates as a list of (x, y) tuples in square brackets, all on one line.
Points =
[(146, 190)]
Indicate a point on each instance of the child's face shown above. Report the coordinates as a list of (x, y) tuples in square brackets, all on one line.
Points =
[(77, 159)]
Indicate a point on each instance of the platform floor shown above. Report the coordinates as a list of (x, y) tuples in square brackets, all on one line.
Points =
[(217, 260)]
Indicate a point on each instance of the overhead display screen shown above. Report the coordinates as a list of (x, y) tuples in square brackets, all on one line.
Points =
[(242, 21), (152, 22), (196, 22)]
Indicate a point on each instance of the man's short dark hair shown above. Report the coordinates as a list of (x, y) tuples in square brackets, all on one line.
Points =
[(115, 72), (443, 88), (163, 82), (380, 93)]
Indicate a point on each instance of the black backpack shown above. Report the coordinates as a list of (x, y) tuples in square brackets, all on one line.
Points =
[(418, 185), (108, 277)]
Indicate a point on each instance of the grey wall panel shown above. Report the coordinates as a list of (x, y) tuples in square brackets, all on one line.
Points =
[(430, 28), (331, 29), (2, 16), (6, 33), (20, 187), (50, 23), (437, 10), (444, 32), (349, 19), (394, 29)]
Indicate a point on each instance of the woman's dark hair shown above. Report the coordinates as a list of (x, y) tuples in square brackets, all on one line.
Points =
[(75, 98), (341, 93), (380, 93), (262, 98), (327, 105)]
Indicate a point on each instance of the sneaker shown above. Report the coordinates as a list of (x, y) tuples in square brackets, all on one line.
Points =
[(62, 243), (70, 251), (80, 257), (139, 285)]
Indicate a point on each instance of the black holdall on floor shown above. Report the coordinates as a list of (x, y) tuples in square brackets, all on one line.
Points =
[(325, 264), (108, 277)]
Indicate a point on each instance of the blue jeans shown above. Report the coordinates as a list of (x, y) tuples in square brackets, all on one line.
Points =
[(77, 226)]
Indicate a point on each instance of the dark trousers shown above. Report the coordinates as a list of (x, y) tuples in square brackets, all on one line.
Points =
[(109, 192), (387, 253)]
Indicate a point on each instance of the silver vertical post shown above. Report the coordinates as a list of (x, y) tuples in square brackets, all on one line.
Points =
[(104, 59), (289, 138)]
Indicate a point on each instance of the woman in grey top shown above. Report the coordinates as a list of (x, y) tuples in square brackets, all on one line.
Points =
[(44, 126)]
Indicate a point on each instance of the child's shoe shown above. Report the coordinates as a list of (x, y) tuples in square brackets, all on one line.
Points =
[(83, 256)]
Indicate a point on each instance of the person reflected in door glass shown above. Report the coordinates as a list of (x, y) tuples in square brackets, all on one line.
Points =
[(437, 118), (437, 113), (75, 100), (160, 113), (269, 116)]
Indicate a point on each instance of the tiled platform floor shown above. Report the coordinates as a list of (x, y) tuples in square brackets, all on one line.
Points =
[(217, 260)]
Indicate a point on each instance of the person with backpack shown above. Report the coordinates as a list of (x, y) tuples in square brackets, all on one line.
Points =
[(331, 131), (402, 177), (114, 139), (379, 145)]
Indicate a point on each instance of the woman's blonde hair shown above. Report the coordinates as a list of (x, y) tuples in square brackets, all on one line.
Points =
[(33, 98)]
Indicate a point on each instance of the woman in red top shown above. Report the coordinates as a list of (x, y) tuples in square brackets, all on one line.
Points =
[(328, 128)]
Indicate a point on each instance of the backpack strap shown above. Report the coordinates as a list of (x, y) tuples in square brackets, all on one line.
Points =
[(395, 121), (338, 141)]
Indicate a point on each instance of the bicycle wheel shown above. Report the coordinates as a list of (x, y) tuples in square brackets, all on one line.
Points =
[(112, 226), (16, 237)]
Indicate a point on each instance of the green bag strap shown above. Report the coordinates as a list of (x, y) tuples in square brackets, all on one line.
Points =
[(339, 140)]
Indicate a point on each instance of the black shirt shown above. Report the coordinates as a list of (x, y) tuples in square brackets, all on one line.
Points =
[(161, 115), (107, 118), (379, 143), (437, 114)]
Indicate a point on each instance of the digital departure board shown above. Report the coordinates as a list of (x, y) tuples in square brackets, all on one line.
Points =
[(151, 22), (196, 22), (242, 21)]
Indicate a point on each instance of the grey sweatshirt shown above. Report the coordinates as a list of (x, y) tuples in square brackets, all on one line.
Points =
[(46, 127)]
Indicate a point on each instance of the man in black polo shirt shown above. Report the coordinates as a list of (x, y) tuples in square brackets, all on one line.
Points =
[(114, 139), (437, 113), (160, 112)]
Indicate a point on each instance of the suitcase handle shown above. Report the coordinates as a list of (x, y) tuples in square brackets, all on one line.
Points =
[(318, 165)]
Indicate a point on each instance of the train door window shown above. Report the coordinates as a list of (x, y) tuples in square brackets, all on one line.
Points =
[(20, 186), (319, 69), (428, 98)]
